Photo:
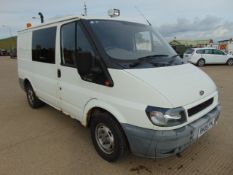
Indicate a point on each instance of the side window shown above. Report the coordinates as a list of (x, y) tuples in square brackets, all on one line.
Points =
[(215, 52), (218, 52), (200, 51), (97, 74), (208, 51), (68, 44), (74, 41), (43, 45), (143, 41)]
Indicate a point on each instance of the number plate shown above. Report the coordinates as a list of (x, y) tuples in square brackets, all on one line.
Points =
[(204, 128)]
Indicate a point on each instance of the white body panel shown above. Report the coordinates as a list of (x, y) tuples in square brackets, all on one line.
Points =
[(133, 90), (181, 90)]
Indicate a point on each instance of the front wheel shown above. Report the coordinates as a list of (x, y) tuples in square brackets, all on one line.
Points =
[(230, 62), (108, 137), (201, 63)]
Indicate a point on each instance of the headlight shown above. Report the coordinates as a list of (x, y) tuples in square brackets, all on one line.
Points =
[(165, 117)]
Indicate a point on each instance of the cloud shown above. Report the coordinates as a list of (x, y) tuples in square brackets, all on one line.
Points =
[(16, 14), (209, 27)]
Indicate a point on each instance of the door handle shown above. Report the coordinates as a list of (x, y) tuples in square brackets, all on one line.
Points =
[(58, 73)]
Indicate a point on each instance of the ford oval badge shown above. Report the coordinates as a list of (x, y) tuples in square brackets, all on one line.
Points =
[(201, 93)]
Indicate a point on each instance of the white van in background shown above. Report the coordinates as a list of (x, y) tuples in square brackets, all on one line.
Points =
[(121, 79), (202, 56)]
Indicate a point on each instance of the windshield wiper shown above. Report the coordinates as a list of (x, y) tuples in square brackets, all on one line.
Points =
[(149, 57), (146, 58), (174, 56)]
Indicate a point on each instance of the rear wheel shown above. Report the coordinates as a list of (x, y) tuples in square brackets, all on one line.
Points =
[(201, 63), (108, 137), (32, 99), (230, 62)]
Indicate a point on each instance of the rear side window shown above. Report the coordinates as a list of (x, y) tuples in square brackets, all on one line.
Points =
[(43, 45), (200, 51), (189, 51), (208, 51), (218, 52)]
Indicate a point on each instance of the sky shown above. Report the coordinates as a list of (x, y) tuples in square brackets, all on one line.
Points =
[(180, 19)]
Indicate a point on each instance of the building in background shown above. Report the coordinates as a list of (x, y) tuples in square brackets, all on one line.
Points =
[(193, 43), (226, 45)]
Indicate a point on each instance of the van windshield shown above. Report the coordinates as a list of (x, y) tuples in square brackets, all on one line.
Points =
[(127, 41)]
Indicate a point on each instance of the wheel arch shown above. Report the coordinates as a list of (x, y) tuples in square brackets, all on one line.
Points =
[(201, 59), (95, 106), (24, 82), (231, 58)]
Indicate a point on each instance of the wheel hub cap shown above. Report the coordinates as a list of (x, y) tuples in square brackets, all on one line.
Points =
[(104, 138), (30, 96)]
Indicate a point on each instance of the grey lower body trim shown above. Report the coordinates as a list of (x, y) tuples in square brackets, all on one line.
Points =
[(159, 144), (21, 83)]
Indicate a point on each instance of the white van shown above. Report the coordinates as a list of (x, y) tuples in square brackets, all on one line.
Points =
[(121, 79)]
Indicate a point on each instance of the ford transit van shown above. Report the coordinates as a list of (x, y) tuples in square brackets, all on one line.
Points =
[(120, 79)]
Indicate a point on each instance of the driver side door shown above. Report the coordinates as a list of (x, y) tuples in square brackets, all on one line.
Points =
[(74, 90)]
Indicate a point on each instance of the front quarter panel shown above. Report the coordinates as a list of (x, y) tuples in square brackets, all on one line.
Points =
[(127, 100)]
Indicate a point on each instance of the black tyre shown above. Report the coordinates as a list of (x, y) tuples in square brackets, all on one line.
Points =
[(230, 62), (108, 137), (32, 99), (201, 63)]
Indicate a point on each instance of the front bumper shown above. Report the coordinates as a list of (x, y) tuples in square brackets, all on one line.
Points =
[(159, 144)]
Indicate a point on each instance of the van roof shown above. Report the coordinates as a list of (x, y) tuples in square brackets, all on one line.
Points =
[(52, 22), (67, 18)]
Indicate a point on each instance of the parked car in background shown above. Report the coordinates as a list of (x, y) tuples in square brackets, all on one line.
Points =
[(3, 52), (13, 53), (202, 56)]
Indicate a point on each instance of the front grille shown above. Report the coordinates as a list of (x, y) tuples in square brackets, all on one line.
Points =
[(200, 107)]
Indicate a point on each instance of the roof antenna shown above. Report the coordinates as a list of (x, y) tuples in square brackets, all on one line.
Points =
[(41, 17), (139, 11), (85, 9)]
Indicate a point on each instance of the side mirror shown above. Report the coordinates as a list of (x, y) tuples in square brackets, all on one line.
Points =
[(84, 62)]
